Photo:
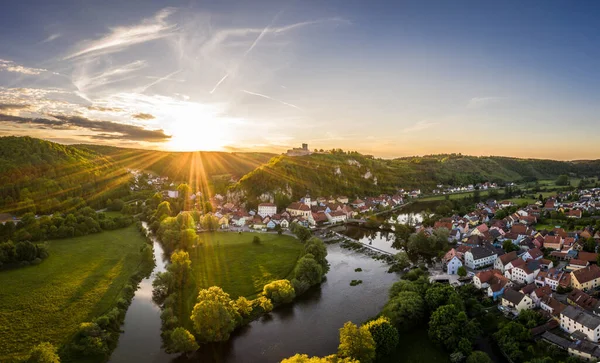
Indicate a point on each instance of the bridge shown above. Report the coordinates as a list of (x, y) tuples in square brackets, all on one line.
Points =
[(364, 244)]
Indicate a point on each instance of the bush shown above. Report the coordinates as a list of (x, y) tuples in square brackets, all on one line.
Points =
[(256, 240), (43, 353), (355, 282), (280, 291)]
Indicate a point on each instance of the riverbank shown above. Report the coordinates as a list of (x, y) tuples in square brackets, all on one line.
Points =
[(83, 278)]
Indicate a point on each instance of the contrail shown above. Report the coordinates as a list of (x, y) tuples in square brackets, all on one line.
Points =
[(219, 83), (272, 99), (258, 38), (145, 88)]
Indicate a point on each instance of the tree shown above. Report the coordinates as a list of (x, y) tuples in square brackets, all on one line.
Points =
[(303, 358), (479, 357), (402, 260), (163, 210), (405, 310), (462, 271), (280, 291), (214, 316), (301, 232), (513, 338), (181, 269), (317, 248), (356, 343), (441, 294), (182, 341), (243, 306), (264, 303), (308, 270), (401, 286), (43, 353), (448, 325), (385, 336), (509, 246), (562, 180)]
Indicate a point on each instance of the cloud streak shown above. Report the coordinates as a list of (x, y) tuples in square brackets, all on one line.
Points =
[(123, 37), (272, 99), (10, 66), (143, 116), (419, 126), (481, 102), (106, 129)]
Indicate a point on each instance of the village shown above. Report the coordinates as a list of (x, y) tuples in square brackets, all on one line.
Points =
[(553, 271)]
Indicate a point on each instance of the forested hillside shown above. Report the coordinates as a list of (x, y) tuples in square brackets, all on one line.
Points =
[(43, 177), (354, 174), (195, 168)]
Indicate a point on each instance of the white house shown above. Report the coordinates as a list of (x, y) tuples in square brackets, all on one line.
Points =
[(337, 216), (502, 261), (532, 254), (453, 265), (516, 300), (479, 257), (299, 210), (574, 320), (267, 209), (524, 274)]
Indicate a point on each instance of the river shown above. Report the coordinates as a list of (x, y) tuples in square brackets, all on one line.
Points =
[(140, 340), (309, 325)]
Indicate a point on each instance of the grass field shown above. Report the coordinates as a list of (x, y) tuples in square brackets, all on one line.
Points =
[(81, 280), (241, 268)]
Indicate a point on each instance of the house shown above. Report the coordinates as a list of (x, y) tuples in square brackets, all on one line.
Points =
[(271, 224), (453, 265), (498, 284), (533, 254), (524, 274), (224, 222), (357, 203), (516, 300), (317, 219), (553, 278), (576, 264), (342, 199), (574, 320), (583, 300), (538, 294), (336, 217), (554, 242), (551, 305), (267, 209), (587, 256), (479, 257), (481, 280), (298, 209), (574, 213), (584, 350), (586, 278), (502, 261)]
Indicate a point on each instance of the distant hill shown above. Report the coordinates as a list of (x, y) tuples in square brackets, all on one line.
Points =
[(41, 176), (199, 167), (352, 174)]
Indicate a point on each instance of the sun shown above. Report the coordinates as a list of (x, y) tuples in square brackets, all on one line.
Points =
[(193, 129)]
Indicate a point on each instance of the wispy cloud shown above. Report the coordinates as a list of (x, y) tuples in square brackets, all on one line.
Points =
[(420, 126), (481, 102), (223, 35), (272, 99), (10, 66), (52, 37), (122, 37), (13, 106)]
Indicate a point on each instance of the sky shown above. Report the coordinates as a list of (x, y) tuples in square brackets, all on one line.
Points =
[(387, 78)]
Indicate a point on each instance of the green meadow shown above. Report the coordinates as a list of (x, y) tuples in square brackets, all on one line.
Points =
[(80, 280), (241, 268)]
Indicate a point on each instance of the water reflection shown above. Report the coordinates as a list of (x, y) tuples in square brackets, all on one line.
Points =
[(140, 340)]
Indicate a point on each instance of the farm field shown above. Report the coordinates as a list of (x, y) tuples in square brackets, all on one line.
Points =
[(80, 280)]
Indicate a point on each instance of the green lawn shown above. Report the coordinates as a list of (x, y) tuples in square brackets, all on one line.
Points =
[(241, 268), (81, 280), (416, 347)]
